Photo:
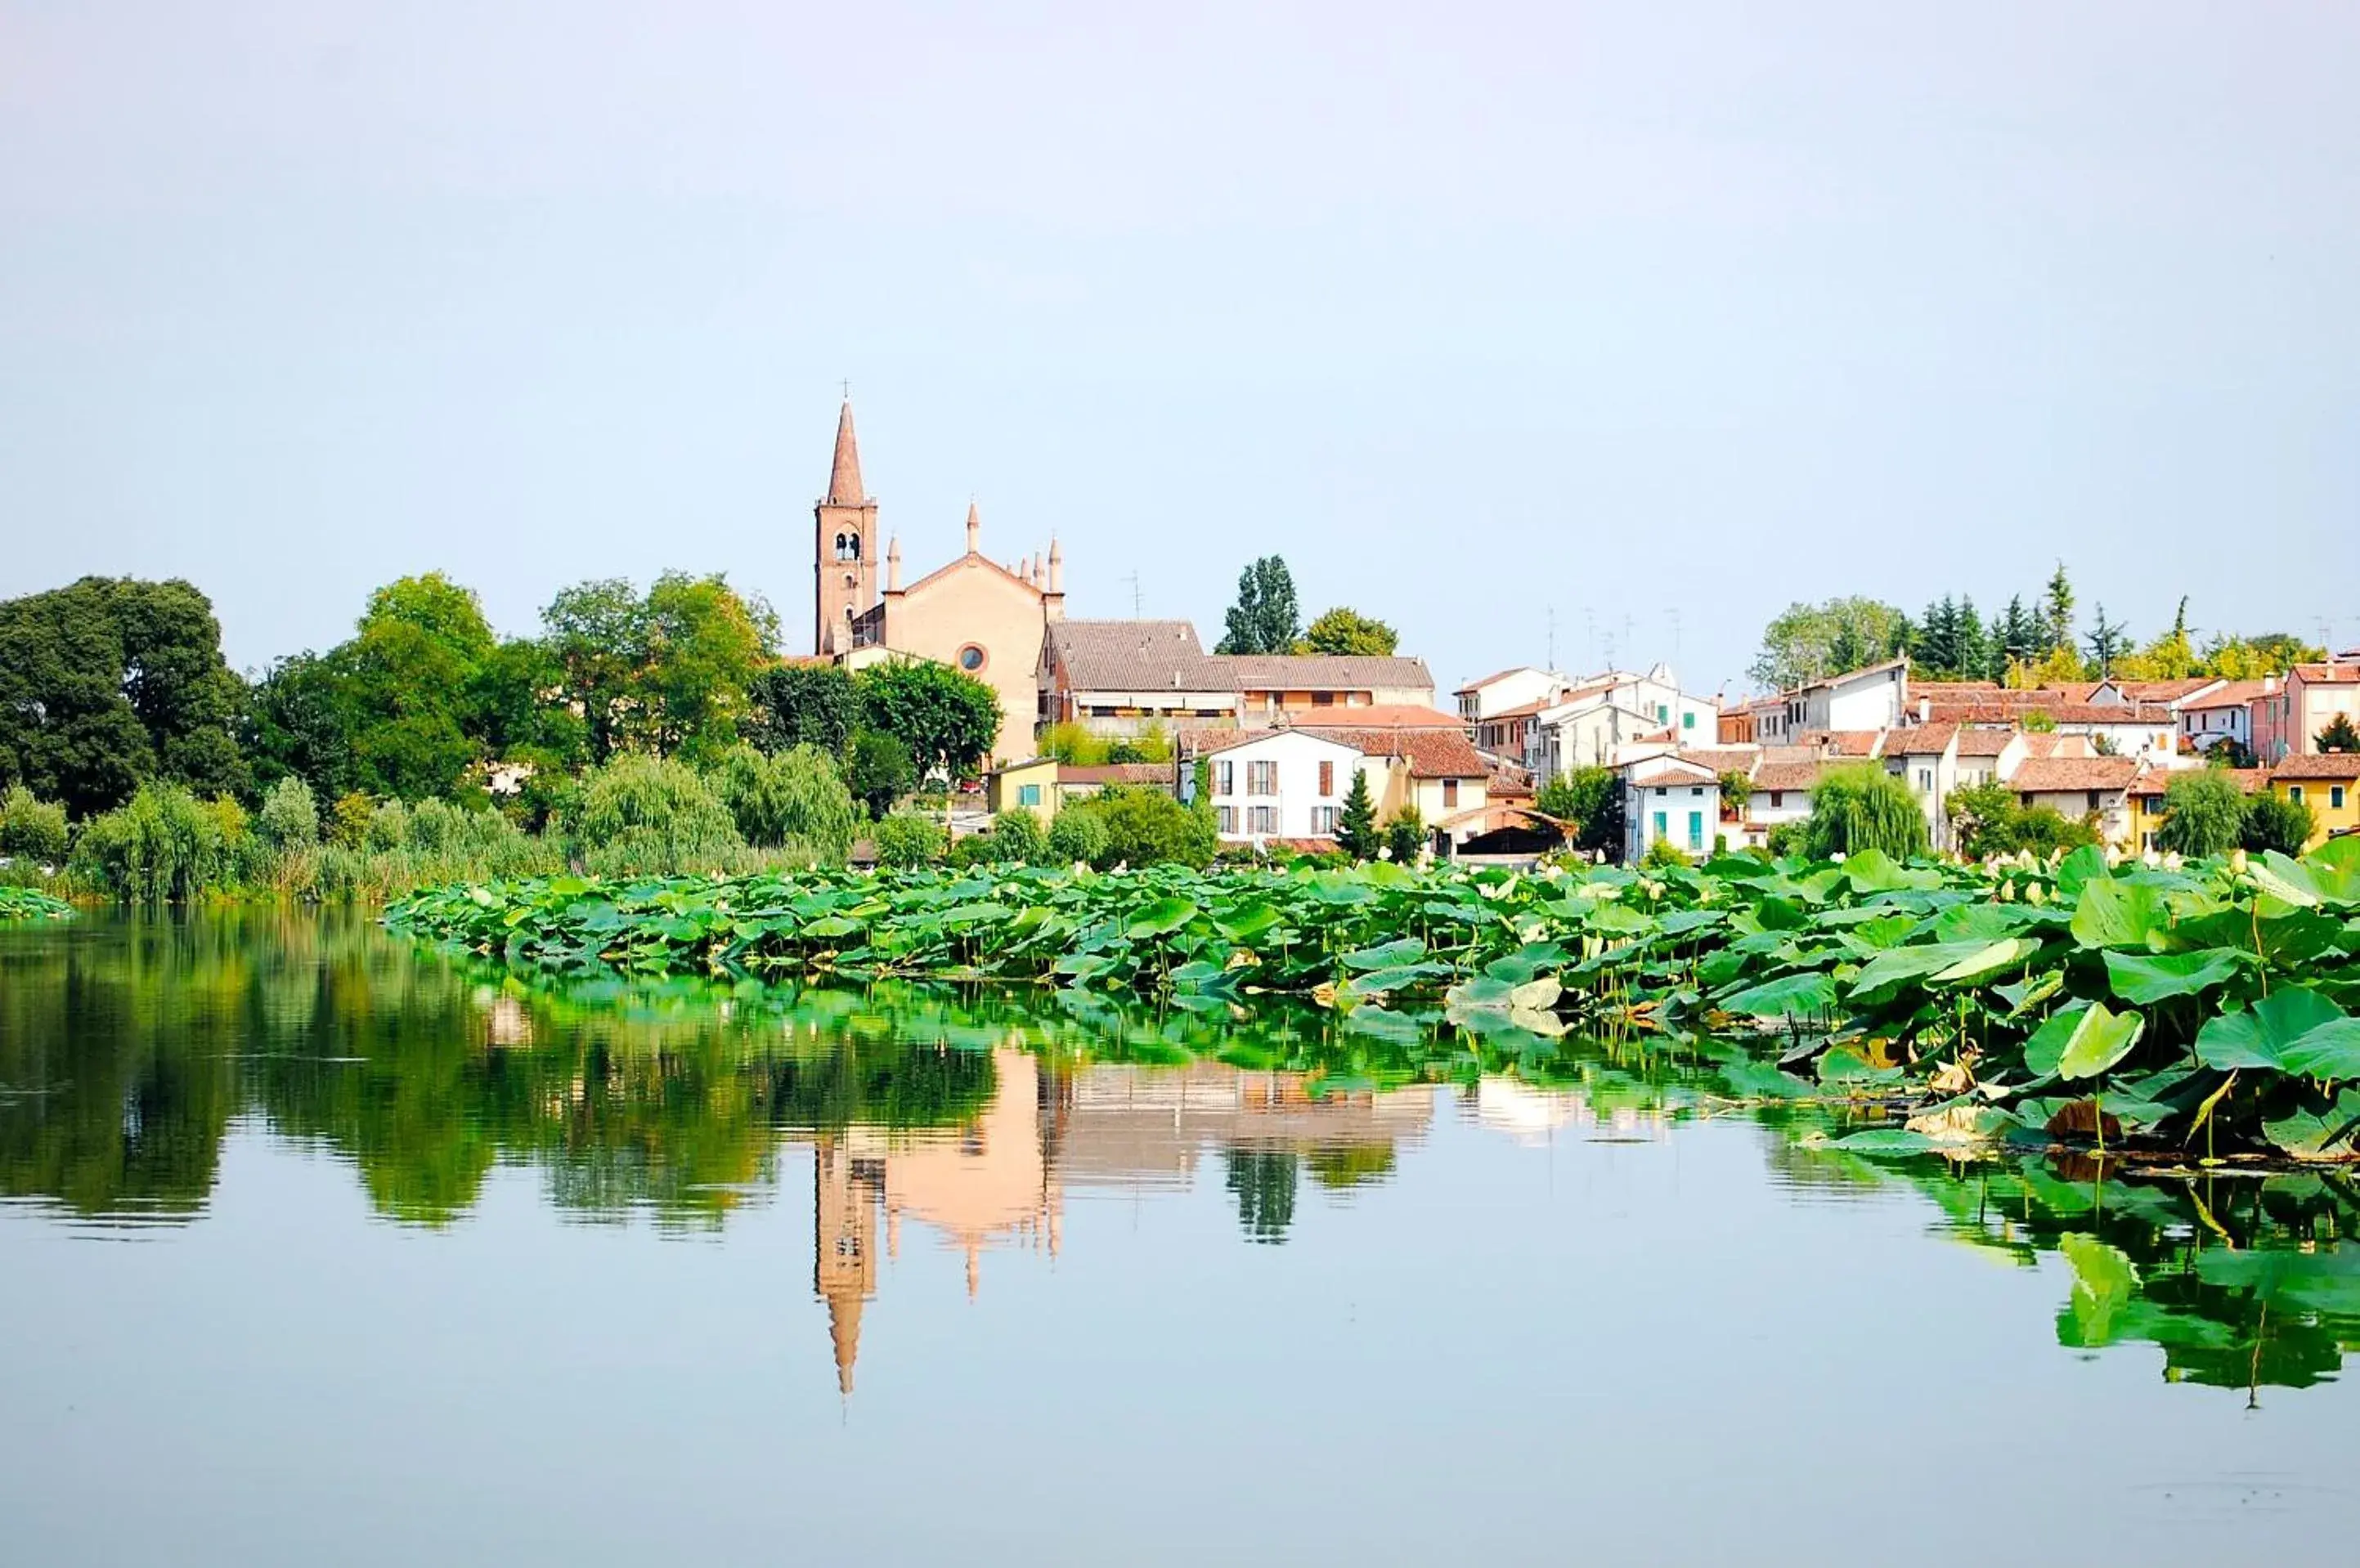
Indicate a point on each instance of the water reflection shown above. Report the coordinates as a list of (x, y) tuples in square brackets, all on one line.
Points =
[(130, 1048)]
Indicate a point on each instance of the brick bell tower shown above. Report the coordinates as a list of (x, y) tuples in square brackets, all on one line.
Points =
[(843, 547)]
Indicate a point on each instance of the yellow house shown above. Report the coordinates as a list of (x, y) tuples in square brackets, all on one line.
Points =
[(2329, 783), (1031, 784)]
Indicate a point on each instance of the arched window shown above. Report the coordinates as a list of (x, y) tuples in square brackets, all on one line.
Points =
[(854, 542)]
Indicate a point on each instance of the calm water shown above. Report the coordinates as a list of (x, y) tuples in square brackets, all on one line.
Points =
[(317, 1247)]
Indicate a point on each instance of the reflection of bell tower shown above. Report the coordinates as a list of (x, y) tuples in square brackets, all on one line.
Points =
[(844, 1246), (843, 547)]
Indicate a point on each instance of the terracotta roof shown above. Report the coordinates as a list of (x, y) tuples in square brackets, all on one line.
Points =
[(2066, 774), (1923, 739), (2336, 765), (1473, 686), (1210, 741), (1955, 690), (2156, 780), (844, 487), (1319, 672), (2165, 691), (1521, 711), (1135, 656), (1118, 773), (1669, 776), (2236, 694), (1983, 741), (2064, 712), (1843, 743), (1784, 776), (1380, 716), (1431, 754), (1723, 759), (2327, 674)]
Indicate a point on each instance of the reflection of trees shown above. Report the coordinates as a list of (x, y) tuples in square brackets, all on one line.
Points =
[(1262, 1181)]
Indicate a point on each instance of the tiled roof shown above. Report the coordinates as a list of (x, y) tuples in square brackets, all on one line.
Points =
[(1135, 656), (2236, 694), (1784, 776), (1521, 711), (1431, 754), (1922, 740), (2156, 780), (2327, 674), (1723, 761), (1319, 672), (2334, 765), (1668, 776), (2164, 690), (2064, 774), (1843, 743), (2001, 710), (1205, 743), (1983, 742)]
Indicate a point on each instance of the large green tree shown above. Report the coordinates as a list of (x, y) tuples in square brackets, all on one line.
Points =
[(1808, 641), (413, 667), (2205, 812), (802, 703), (667, 673), (109, 682), (946, 717), (1347, 631), (1267, 618)]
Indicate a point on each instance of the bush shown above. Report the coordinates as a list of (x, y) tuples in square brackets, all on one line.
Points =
[(1663, 852), (1591, 797), (1786, 839), (2203, 813), (1860, 807), (879, 770), (1147, 827), (645, 814), (31, 829), (907, 838), (290, 818), (1017, 834), (1078, 835), (795, 799), (2273, 822), (1405, 835), (163, 845), (389, 827), (348, 820)]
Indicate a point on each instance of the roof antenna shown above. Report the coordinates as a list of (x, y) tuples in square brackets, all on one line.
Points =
[(1133, 581)]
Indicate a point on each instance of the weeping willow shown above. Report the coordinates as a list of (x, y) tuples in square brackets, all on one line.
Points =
[(1862, 808)]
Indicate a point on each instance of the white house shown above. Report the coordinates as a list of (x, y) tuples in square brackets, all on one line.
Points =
[(1872, 698), (1587, 725), (2223, 713), (2078, 787), (1516, 688), (1271, 784), (1670, 799)]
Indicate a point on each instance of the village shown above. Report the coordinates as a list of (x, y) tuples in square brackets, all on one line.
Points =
[(1284, 737)]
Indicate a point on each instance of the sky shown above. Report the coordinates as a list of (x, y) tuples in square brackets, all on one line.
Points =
[(1600, 330)]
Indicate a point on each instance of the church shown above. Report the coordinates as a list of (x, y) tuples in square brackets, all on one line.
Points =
[(975, 615)]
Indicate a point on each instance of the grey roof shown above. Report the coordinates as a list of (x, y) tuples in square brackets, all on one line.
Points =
[(1135, 656), (1313, 672)]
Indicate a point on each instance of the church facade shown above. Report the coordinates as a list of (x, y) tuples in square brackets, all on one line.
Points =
[(975, 614)]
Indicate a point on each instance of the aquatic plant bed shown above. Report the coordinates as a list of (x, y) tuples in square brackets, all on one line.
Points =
[(31, 904), (2205, 1007)]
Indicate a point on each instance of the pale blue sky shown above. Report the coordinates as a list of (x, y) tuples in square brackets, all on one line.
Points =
[(1468, 311)]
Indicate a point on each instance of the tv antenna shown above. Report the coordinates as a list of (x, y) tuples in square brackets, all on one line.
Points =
[(1133, 581), (1552, 636)]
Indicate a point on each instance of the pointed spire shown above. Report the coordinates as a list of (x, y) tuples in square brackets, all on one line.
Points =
[(844, 1328), (843, 488), (974, 528), (893, 566), (1056, 566)]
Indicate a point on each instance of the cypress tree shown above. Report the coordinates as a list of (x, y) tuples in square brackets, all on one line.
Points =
[(1356, 829)]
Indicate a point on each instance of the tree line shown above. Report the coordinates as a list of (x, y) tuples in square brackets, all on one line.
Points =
[(2029, 642)]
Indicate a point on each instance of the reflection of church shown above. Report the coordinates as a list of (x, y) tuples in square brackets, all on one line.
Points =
[(974, 614), (1048, 1134)]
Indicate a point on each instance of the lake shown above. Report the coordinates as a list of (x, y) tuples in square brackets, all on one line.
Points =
[(322, 1246)]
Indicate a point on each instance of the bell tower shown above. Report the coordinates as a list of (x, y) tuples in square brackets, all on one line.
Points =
[(844, 545)]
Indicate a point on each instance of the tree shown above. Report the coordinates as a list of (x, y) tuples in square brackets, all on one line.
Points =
[(2057, 613), (31, 829), (704, 644), (2016, 638), (1590, 799), (2338, 736), (297, 722), (650, 814), (1346, 631), (2204, 813), (802, 704), (879, 769), (109, 682), (2108, 640), (2171, 657), (597, 633), (907, 838), (1737, 789), (2273, 822), (411, 674), (795, 799), (1405, 835), (1265, 618), (1862, 808), (1810, 641), (1146, 826), (946, 717), (1356, 824)]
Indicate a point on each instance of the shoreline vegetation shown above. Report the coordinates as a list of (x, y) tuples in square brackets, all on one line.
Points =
[(2188, 1013)]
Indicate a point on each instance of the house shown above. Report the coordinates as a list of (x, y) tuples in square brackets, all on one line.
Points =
[(1925, 758), (1276, 687), (1506, 734), (2222, 713), (1667, 800), (1875, 697), (1118, 678), (1276, 784), (2329, 783), (1523, 686), (2288, 715), (2081, 789), (1438, 772), (1030, 785), (1079, 781), (1586, 725), (1782, 785)]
